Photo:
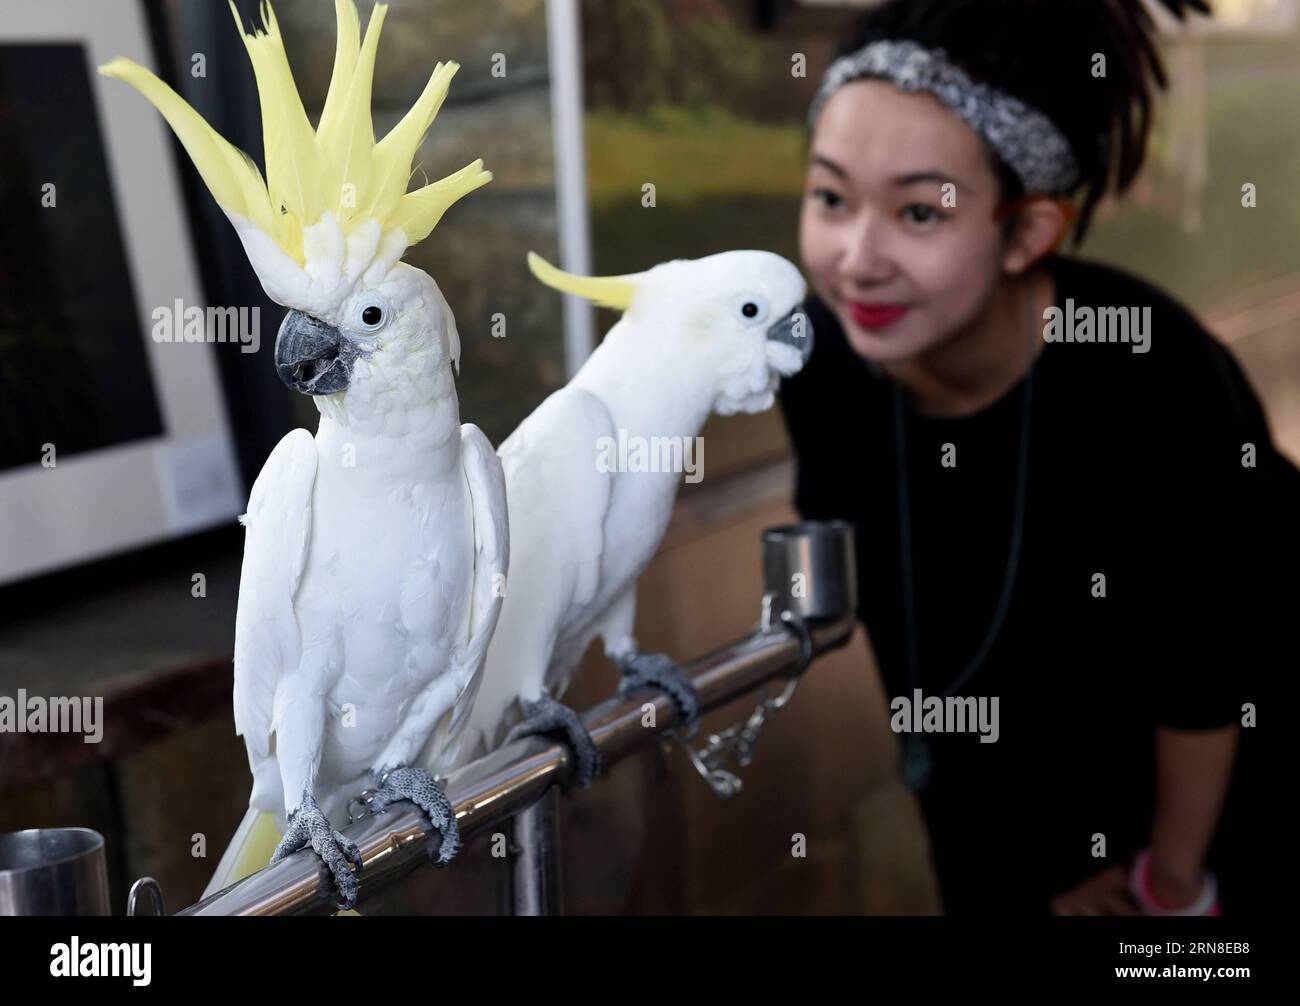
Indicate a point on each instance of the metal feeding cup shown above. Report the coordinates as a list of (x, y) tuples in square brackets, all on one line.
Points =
[(53, 871), (810, 569)]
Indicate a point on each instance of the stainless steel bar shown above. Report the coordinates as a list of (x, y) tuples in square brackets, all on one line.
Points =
[(507, 781), (535, 877)]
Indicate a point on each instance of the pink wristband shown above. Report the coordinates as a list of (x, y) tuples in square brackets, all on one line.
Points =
[(1140, 884)]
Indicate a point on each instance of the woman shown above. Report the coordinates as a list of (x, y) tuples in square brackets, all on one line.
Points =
[(1059, 478)]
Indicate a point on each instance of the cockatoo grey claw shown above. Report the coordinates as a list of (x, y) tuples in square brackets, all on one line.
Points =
[(658, 670), (407, 782), (546, 716), (309, 826)]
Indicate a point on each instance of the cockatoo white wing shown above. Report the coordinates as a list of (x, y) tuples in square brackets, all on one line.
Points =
[(551, 469), (267, 641), (487, 490), (558, 499)]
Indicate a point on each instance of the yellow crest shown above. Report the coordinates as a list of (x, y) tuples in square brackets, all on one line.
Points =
[(338, 167), (603, 291)]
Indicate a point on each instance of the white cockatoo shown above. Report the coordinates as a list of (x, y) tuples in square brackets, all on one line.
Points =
[(375, 552), (589, 493)]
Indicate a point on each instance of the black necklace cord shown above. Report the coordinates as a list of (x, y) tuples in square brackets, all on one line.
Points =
[(1016, 537)]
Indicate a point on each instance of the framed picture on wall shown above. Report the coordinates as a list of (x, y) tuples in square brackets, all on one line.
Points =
[(113, 430)]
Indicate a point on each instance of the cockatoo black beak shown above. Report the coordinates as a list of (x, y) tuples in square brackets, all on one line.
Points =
[(796, 330), (311, 356)]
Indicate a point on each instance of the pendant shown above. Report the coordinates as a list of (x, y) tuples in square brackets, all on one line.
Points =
[(916, 764)]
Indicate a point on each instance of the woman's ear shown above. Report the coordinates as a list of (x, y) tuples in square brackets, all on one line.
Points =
[(1039, 226)]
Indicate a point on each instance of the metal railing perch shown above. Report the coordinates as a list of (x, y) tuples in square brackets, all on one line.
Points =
[(808, 609)]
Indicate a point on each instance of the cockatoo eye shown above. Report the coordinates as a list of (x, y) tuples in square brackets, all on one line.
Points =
[(752, 307), (370, 315)]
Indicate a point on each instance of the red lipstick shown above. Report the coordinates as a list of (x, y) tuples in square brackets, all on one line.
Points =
[(876, 315)]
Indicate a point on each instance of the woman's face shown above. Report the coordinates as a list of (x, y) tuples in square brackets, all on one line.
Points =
[(897, 228)]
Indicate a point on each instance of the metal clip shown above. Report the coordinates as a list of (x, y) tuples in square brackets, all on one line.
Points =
[(145, 886), (366, 799)]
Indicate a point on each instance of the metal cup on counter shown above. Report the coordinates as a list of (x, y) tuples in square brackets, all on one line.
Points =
[(810, 569), (53, 871)]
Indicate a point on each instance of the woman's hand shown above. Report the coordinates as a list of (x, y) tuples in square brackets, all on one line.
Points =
[(1174, 888), (1104, 893)]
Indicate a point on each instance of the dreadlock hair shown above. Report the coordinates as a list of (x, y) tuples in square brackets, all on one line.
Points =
[(1042, 51)]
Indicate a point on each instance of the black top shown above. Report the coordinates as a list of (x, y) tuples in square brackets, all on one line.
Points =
[(1135, 471)]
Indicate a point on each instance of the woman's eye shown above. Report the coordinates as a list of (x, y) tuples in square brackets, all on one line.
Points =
[(920, 213), (828, 198)]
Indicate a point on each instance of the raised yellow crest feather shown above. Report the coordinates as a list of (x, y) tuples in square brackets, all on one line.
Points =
[(603, 291), (338, 167)]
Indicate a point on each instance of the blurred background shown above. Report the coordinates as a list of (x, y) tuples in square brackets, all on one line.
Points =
[(119, 564)]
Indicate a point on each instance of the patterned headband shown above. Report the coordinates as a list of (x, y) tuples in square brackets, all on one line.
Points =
[(1023, 137)]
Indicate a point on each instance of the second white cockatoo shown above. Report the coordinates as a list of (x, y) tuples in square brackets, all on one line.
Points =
[(714, 334), (376, 551)]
